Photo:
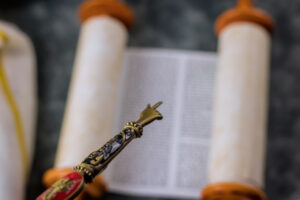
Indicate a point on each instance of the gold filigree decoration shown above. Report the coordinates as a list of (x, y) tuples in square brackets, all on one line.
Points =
[(62, 185)]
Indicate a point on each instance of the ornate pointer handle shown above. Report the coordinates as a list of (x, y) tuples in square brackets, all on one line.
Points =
[(71, 185)]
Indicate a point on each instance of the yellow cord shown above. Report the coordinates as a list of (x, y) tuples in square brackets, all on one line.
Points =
[(3, 36), (15, 111)]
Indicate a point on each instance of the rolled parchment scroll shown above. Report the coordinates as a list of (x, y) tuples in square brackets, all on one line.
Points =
[(18, 110), (236, 168), (92, 95)]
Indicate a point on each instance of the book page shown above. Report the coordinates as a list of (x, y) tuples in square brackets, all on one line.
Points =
[(170, 159)]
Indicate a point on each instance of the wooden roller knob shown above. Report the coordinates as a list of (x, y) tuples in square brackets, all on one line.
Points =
[(232, 191), (113, 8), (244, 12)]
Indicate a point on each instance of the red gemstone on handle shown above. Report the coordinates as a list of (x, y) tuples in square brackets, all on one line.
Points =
[(65, 188)]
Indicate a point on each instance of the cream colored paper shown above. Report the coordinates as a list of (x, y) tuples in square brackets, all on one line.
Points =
[(92, 96), (18, 81), (170, 159), (239, 124)]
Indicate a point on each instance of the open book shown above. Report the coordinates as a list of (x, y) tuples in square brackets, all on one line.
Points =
[(170, 160)]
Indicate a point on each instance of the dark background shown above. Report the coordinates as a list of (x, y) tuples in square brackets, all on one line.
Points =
[(182, 24)]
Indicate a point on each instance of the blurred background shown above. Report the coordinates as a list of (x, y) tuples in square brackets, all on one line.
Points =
[(53, 27)]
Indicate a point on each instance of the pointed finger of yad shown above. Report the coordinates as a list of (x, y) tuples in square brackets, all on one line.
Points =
[(157, 104)]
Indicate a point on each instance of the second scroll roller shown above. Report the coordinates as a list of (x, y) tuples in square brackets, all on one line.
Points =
[(236, 168)]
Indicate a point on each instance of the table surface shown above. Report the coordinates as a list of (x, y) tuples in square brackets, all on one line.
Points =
[(54, 27)]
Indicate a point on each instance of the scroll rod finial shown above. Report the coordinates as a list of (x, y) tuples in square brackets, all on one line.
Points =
[(245, 3)]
